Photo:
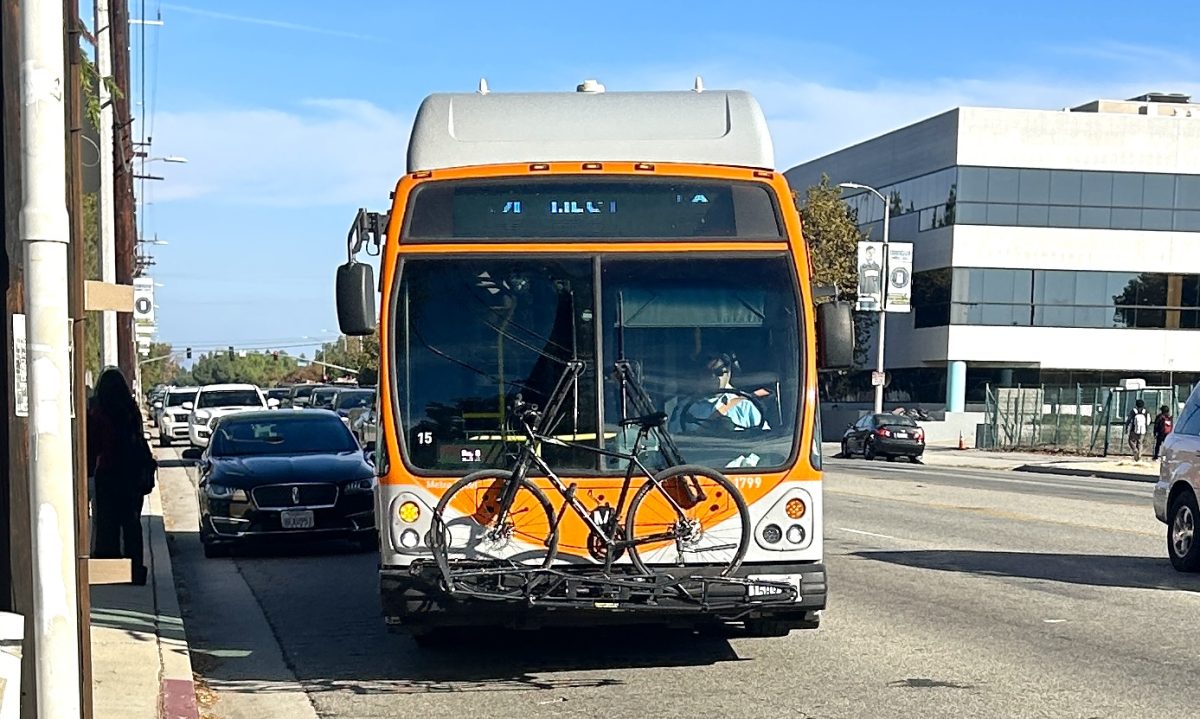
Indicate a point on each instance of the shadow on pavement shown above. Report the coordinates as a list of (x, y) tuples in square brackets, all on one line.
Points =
[(131, 608), (1090, 569), (322, 606)]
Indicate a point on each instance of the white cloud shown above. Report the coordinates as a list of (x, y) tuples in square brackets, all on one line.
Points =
[(326, 152)]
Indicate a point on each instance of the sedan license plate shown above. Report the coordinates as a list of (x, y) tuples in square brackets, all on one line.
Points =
[(902, 435), (760, 590), (297, 519)]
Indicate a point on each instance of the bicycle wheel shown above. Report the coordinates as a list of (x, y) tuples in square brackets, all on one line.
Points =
[(673, 526), (467, 523)]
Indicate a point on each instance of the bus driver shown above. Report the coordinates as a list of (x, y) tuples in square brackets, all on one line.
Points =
[(723, 407)]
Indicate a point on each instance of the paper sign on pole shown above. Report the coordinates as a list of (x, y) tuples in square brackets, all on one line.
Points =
[(899, 269), (870, 276), (143, 300)]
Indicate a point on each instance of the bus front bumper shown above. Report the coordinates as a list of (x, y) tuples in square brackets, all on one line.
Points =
[(413, 597)]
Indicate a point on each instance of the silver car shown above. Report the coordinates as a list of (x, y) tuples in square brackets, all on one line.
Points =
[(1179, 485)]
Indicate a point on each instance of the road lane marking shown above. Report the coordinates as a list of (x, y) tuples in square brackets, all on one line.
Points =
[(869, 534)]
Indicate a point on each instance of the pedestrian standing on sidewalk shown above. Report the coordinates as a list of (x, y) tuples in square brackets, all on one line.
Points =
[(1162, 427), (1136, 426), (119, 459)]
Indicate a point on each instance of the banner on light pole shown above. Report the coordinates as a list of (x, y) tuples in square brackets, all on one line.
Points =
[(899, 276), (870, 276)]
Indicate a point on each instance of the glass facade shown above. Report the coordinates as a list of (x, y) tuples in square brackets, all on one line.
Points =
[(1055, 298), (1031, 197)]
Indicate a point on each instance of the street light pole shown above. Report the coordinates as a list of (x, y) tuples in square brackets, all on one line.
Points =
[(883, 285)]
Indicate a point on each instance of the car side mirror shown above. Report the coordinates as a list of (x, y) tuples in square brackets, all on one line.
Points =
[(356, 298), (272, 403), (835, 336), (188, 406), (192, 454)]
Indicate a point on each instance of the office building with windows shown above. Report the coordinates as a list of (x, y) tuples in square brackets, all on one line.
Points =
[(1050, 247)]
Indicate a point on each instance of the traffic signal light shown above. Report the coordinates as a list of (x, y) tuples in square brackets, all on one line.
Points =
[(189, 352), (230, 351), (275, 355)]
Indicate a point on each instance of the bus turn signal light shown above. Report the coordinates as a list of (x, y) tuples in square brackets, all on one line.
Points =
[(795, 508), (409, 512)]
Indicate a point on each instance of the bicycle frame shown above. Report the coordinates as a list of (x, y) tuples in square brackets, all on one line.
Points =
[(529, 456)]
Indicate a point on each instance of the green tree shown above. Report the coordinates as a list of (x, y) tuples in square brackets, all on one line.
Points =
[(264, 369), (156, 371), (832, 232)]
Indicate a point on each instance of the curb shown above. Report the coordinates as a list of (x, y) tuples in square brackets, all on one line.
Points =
[(177, 690), (1099, 473)]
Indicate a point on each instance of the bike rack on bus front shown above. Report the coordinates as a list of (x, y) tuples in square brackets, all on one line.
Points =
[(591, 588)]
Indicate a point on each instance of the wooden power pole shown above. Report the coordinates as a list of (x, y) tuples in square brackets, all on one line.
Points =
[(123, 199)]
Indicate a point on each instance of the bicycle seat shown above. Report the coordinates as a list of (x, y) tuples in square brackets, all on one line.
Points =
[(648, 421)]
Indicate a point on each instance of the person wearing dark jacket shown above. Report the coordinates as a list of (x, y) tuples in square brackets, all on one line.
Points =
[(1162, 427), (114, 429)]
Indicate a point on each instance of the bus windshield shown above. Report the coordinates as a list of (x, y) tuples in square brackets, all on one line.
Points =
[(712, 341)]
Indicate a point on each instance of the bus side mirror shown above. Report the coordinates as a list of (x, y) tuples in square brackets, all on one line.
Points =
[(356, 298), (835, 336)]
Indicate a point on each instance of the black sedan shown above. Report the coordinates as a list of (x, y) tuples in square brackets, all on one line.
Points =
[(283, 475), (884, 435)]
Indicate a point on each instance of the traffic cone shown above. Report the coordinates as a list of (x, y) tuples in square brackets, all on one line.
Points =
[(961, 443)]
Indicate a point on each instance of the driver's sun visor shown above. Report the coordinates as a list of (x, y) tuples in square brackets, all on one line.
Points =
[(693, 307)]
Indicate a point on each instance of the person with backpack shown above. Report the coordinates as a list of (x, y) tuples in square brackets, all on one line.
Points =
[(1136, 426), (1162, 427), (123, 468)]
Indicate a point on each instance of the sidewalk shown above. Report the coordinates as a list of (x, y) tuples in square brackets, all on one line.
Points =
[(141, 668), (1102, 467)]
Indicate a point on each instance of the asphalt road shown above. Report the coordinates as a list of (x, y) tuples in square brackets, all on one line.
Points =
[(953, 593)]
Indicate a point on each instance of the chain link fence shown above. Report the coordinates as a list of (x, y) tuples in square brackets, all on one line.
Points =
[(1072, 420)]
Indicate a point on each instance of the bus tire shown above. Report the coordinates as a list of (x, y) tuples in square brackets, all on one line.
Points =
[(763, 628)]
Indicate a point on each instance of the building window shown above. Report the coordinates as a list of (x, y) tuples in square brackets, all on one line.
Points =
[(1055, 298)]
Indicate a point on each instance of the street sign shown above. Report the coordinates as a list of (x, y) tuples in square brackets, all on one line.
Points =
[(878, 379), (899, 279), (870, 276)]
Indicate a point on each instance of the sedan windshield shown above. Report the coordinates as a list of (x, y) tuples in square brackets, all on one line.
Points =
[(230, 398), (240, 437)]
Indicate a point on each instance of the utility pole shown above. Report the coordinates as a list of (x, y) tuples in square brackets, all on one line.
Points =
[(125, 232), (108, 251), (45, 234)]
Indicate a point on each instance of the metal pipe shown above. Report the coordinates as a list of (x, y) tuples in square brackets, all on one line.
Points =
[(883, 287), (107, 214), (45, 233)]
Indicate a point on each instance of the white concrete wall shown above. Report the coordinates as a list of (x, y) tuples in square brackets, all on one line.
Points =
[(1057, 248), (996, 137), (1073, 347)]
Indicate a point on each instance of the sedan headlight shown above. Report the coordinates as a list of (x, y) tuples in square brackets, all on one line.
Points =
[(359, 486), (220, 491)]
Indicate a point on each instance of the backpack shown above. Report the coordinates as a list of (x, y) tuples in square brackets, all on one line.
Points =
[(1139, 421), (145, 467), (1164, 425)]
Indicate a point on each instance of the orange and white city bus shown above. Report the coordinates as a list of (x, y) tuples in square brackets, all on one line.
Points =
[(641, 230)]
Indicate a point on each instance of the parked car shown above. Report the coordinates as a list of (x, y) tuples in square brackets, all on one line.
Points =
[(283, 475), (884, 435), (322, 397), (215, 401), (1178, 486), (172, 415), (299, 395)]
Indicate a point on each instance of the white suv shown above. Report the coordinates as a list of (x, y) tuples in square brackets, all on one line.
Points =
[(217, 400), (1179, 485), (173, 415)]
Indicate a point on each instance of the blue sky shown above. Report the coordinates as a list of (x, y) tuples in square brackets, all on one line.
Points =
[(294, 113)]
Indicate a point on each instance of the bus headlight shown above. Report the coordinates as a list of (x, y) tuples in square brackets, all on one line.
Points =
[(409, 539), (772, 533), (795, 534)]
